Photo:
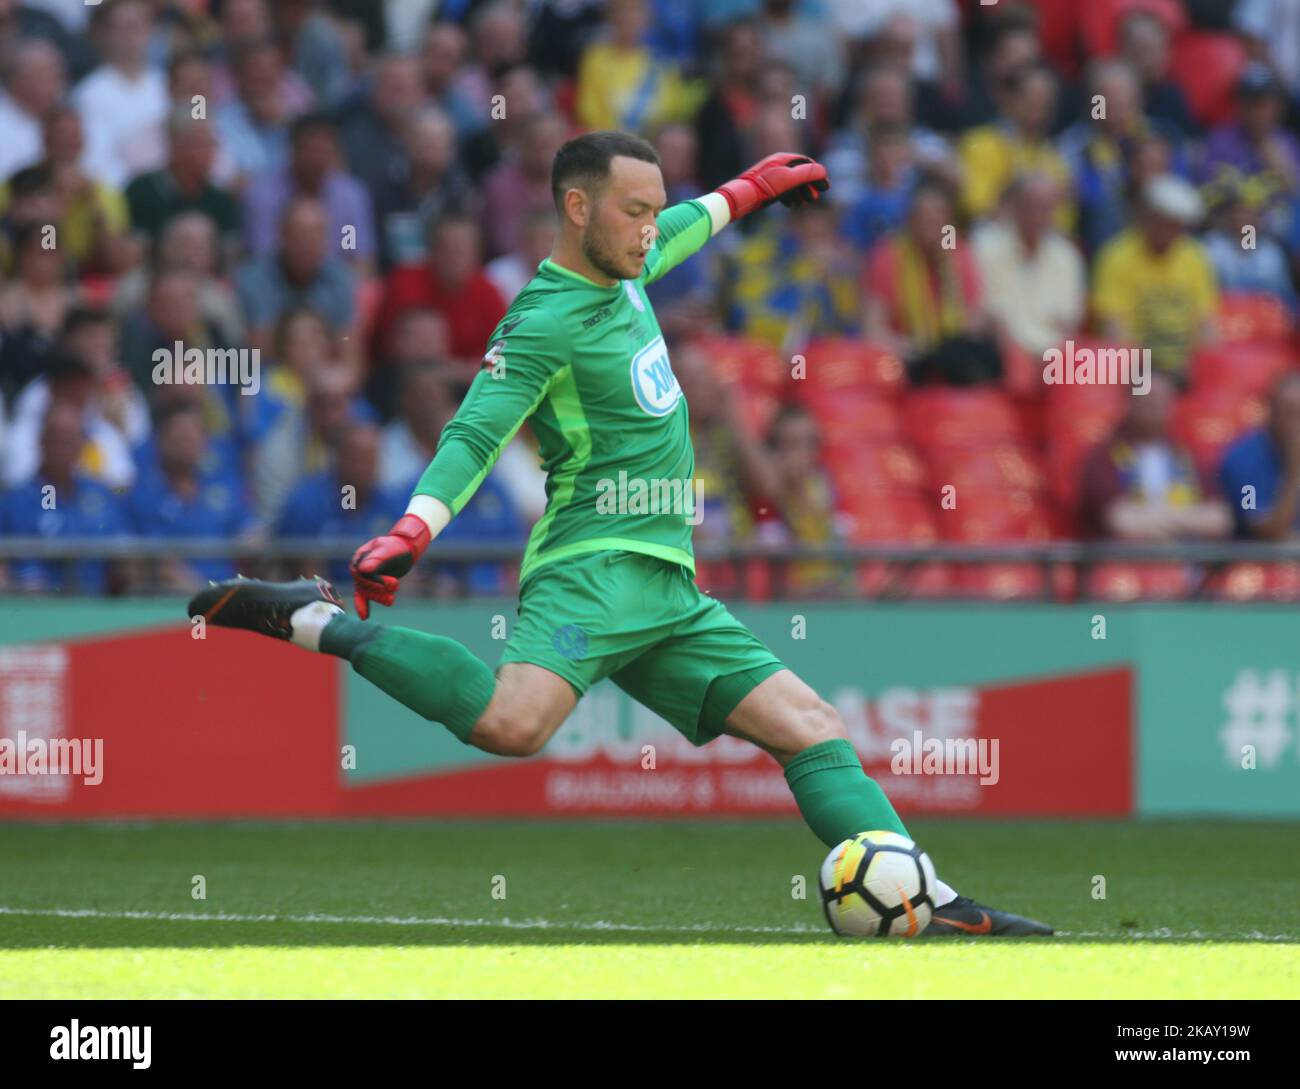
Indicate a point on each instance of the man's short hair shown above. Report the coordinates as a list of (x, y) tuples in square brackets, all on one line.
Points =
[(188, 54), (928, 182), (454, 215), (83, 316), (62, 367), (788, 411), (103, 11), (1011, 21), (583, 162), (165, 414)]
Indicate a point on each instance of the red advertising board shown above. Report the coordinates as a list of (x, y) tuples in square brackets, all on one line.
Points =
[(1052, 746), (225, 729), (187, 729)]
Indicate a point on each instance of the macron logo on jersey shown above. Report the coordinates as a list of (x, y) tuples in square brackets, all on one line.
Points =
[(653, 382)]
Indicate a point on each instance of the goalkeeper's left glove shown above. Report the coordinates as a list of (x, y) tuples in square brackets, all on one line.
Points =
[(379, 563), (786, 176)]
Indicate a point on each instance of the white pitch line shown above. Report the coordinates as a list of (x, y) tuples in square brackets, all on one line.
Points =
[(398, 920), (1162, 934), (1165, 934)]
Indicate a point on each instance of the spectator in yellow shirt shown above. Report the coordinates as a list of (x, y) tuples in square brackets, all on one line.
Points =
[(620, 83), (93, 221), (1154, 284), (1017, 143)]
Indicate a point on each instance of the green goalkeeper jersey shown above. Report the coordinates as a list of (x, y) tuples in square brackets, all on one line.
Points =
[(589, 366)]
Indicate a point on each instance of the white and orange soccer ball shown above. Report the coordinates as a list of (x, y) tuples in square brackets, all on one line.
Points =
[(877, 885)]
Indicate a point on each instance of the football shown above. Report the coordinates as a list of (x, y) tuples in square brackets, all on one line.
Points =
[(877, 884)]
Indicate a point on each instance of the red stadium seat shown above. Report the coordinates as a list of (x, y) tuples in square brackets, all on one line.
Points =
[(1013, 466), (1254, 316), (902, 517), (757, 408), (1248, 368), (876, 468), (1140, 581), (1032, 411), (992, 517), (839, 365), (1206, 66), (1002, 581), (889, 518), (1099, 21), (743, 362), (851, 419), (961, 417), (1058, 32), (1077, 419), (1064, 468), (895, 580), (750, 579), (1207, 421), (1087, 419), (1022, 372), (1258, 582)]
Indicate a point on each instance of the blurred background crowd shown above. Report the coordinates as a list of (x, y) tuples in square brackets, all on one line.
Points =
[(358, 188)]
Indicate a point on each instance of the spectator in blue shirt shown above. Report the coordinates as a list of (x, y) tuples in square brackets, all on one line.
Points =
[(489, 517), (675, 30), (313, 170), (61, 502), (253, 125), (175, 496), (1108, 155), (222, 450), (350, 502), (301, 272), (346, 501), (683, 297), (886, 195), (1260, 268), (1260, 473), (408, 443), (304, 346)]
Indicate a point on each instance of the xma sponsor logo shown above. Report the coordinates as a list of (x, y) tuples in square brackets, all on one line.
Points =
[(653, 383)]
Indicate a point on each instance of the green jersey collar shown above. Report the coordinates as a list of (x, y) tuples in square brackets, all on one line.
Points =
[(560, 270)]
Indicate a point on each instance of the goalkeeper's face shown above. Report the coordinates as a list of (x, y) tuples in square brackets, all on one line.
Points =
[(620, 227)]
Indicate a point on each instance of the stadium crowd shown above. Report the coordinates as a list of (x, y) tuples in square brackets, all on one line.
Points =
[(358, 190)]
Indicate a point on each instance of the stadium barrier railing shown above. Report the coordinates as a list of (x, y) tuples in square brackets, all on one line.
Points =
[(1064, 566)]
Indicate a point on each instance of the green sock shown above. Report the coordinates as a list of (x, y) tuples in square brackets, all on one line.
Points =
[(835, 795), (433, 676)]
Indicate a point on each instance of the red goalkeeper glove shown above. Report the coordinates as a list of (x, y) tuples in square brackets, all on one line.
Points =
[(792, 179), (379, 563)]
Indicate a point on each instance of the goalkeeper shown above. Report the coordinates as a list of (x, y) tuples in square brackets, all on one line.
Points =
[(604, 592)]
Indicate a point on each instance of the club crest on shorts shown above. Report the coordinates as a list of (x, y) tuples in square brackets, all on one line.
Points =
[(653, 382), (571, 642)]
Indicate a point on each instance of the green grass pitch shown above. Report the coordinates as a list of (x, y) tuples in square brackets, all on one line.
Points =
[(623, 909)]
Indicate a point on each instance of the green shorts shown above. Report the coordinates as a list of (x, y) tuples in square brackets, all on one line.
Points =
[(642, 622)]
